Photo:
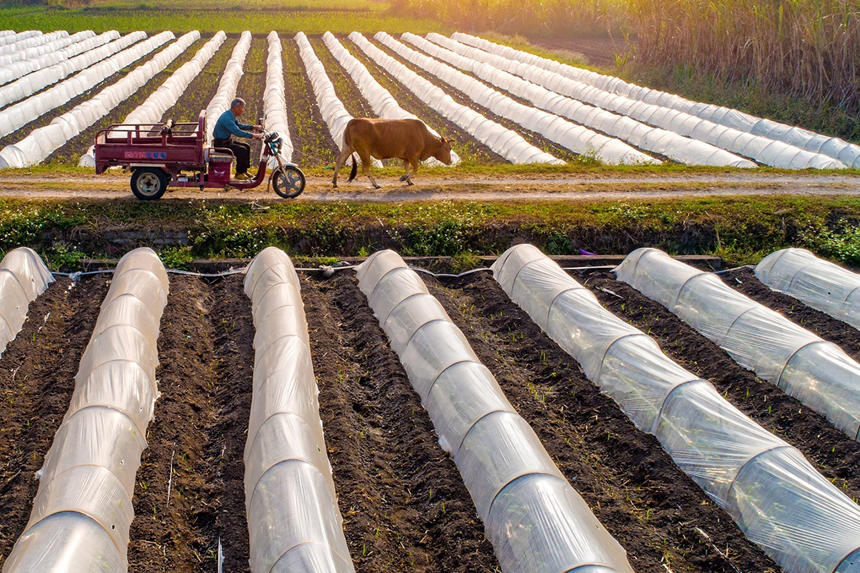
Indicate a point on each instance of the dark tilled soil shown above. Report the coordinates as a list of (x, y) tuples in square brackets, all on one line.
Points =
[(202, 88), (404, 504), (197, 438), (533, 138), (834, 454), (312, 142), (647, 503), (469, 148), (344, 87), (73, 149), (37, 373), (822, 324)]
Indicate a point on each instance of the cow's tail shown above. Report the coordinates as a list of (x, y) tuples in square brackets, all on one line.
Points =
[(354, 170)]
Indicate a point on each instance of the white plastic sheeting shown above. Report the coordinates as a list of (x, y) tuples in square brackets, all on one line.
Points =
[(36, 51), (818, 283), (83, 508), (43, 141), (667, 143), (533, 517), (18, 115), (714, 117), (274, 98), (43, 78), (380, 99), (23, 277), (10, 37), (774, 495), (19, 69), (574, 137), (159, 101), (227, 85), (507, 143), (816, 372), (293, 518), (331, 108), (31, 41)]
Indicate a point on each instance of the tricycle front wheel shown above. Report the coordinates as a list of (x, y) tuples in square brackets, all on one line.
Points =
[(149, 183), (288, 182)]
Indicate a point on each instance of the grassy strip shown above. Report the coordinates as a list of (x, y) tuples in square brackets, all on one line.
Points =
[(231, 19), (739, 229)]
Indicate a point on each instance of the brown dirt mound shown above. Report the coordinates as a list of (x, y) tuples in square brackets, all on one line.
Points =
[(835, 455), (645, 501), (37, 373), (198, 434), (404, 504)]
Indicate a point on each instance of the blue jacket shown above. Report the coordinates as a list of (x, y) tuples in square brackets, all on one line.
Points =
[(228, 125)]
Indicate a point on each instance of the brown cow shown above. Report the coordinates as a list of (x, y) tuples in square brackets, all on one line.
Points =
[(406, 139)]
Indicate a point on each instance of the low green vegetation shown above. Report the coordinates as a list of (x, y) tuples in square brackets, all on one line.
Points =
[(739, 229)]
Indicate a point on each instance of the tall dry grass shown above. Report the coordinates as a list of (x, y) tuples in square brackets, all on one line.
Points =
[(810, 48)]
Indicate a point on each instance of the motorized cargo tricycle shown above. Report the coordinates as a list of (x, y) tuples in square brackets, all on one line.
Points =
[(176, 155)]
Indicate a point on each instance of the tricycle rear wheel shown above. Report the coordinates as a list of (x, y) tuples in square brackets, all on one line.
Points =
[(288, 182), (149, 183)]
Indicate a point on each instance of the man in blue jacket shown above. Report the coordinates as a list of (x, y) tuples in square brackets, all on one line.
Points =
[(227, 126)]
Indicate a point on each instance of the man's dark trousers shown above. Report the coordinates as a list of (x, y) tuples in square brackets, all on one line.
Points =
[(242, 151)]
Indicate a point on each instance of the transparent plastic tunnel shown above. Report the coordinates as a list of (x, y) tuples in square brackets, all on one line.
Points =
[(293, 518), (534, 519), (821, 284), (83, 508), (23, 277), (815, 371), (770, 490), (228, 83)]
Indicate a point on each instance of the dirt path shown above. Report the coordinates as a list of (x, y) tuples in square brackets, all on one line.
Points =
[(404, 504), (436, 188), (835, 455), (652, 508), (198, 434), (37, 373)]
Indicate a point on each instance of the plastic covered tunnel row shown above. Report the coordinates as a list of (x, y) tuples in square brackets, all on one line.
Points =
[(383, 103), (833, 147), (43, 141), (23, 43), (159, 101), (507, 143), (816, 372), (495, 70), (534, 519), (331, 108), (40, 50), (274, 98), (23, 277), (83, 508), (10, 37), (228, 83), (818, 283), (21, 68), (574, 137), (774, 495), (762, 149), (47, 100), (293, 518)]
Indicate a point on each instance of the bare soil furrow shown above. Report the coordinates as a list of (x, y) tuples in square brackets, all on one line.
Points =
[(404, 504), (37, 374)]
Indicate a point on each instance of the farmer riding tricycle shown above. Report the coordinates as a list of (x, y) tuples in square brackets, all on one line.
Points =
[(176, 155)]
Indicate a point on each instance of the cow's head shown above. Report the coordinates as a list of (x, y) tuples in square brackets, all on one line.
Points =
[(443, 153)]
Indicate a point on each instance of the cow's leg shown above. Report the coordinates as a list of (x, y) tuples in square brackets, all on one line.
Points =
[(341, 159), (405, 176), (365, 166), (413, 162)]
